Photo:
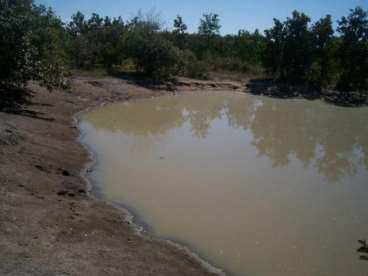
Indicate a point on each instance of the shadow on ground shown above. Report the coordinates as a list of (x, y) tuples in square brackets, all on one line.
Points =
[(17, 100)]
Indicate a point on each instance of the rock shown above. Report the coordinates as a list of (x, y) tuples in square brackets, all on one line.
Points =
[(41, 168), (62, 193), (64, 172)]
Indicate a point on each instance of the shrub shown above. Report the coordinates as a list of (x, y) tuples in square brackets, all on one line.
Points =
[(30, 45), (289, 48), (153, 55), (190, 66), (15, 48), (353, 51)]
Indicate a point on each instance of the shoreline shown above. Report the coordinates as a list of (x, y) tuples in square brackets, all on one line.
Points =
[(50, 224), (138, 225)]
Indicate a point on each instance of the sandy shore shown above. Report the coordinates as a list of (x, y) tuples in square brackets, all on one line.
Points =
[(49, 225)]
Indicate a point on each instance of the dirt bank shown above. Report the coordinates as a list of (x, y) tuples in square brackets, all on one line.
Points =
[(48, 223)]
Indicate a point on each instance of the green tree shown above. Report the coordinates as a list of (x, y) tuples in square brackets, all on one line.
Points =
[(112, 39), (15, 22), (78, 48), (30, 44), (179, 26), (273, 55), (353, 52), (179, 32), (209, 25), (96, 41), (289, 48), (323, 37), (298, 48), (78, 25), (48, 38), (95, 22), (152, 54), (206, 43), (248, 46)]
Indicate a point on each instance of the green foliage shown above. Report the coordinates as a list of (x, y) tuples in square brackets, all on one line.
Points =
[(249, 46), (36, 45), (273, 55), (48, 38), (179, 26), (15, 49), (289, 48), (301, 54), (95, 41), (78, 25), (322, 31), (152, 54), (112, 50), (209, 25), (190, 66), (30, 44), (353, 51), (298, 47), (208, 41), (179, 32)]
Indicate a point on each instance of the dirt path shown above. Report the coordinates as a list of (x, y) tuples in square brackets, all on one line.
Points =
[(48, 224)]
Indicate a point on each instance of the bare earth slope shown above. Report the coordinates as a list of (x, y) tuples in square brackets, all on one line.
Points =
[(48, 224)]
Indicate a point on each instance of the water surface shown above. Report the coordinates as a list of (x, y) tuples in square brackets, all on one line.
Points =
[(257, 186)]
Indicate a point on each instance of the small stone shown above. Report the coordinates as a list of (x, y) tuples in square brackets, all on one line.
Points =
[(62, 193), (65, 173), (41, 168)]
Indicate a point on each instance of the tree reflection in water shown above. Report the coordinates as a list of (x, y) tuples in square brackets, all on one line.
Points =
[(332, 139)]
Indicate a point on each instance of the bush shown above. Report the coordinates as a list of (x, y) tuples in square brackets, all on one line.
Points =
[(233, 64), (153, 55), (198, 70), (289, 48), (15, 67), (190, 66), (353, 51), (30, 45)]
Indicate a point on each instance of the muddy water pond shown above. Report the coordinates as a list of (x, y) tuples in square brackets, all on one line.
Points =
[(256, 186)]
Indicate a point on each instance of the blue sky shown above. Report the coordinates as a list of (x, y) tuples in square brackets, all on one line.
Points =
[(234, 14)]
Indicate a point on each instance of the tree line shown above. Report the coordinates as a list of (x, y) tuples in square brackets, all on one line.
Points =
[(36, 45), (299, 52)]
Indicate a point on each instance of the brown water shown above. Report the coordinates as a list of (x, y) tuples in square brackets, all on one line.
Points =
[(257, 186)]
